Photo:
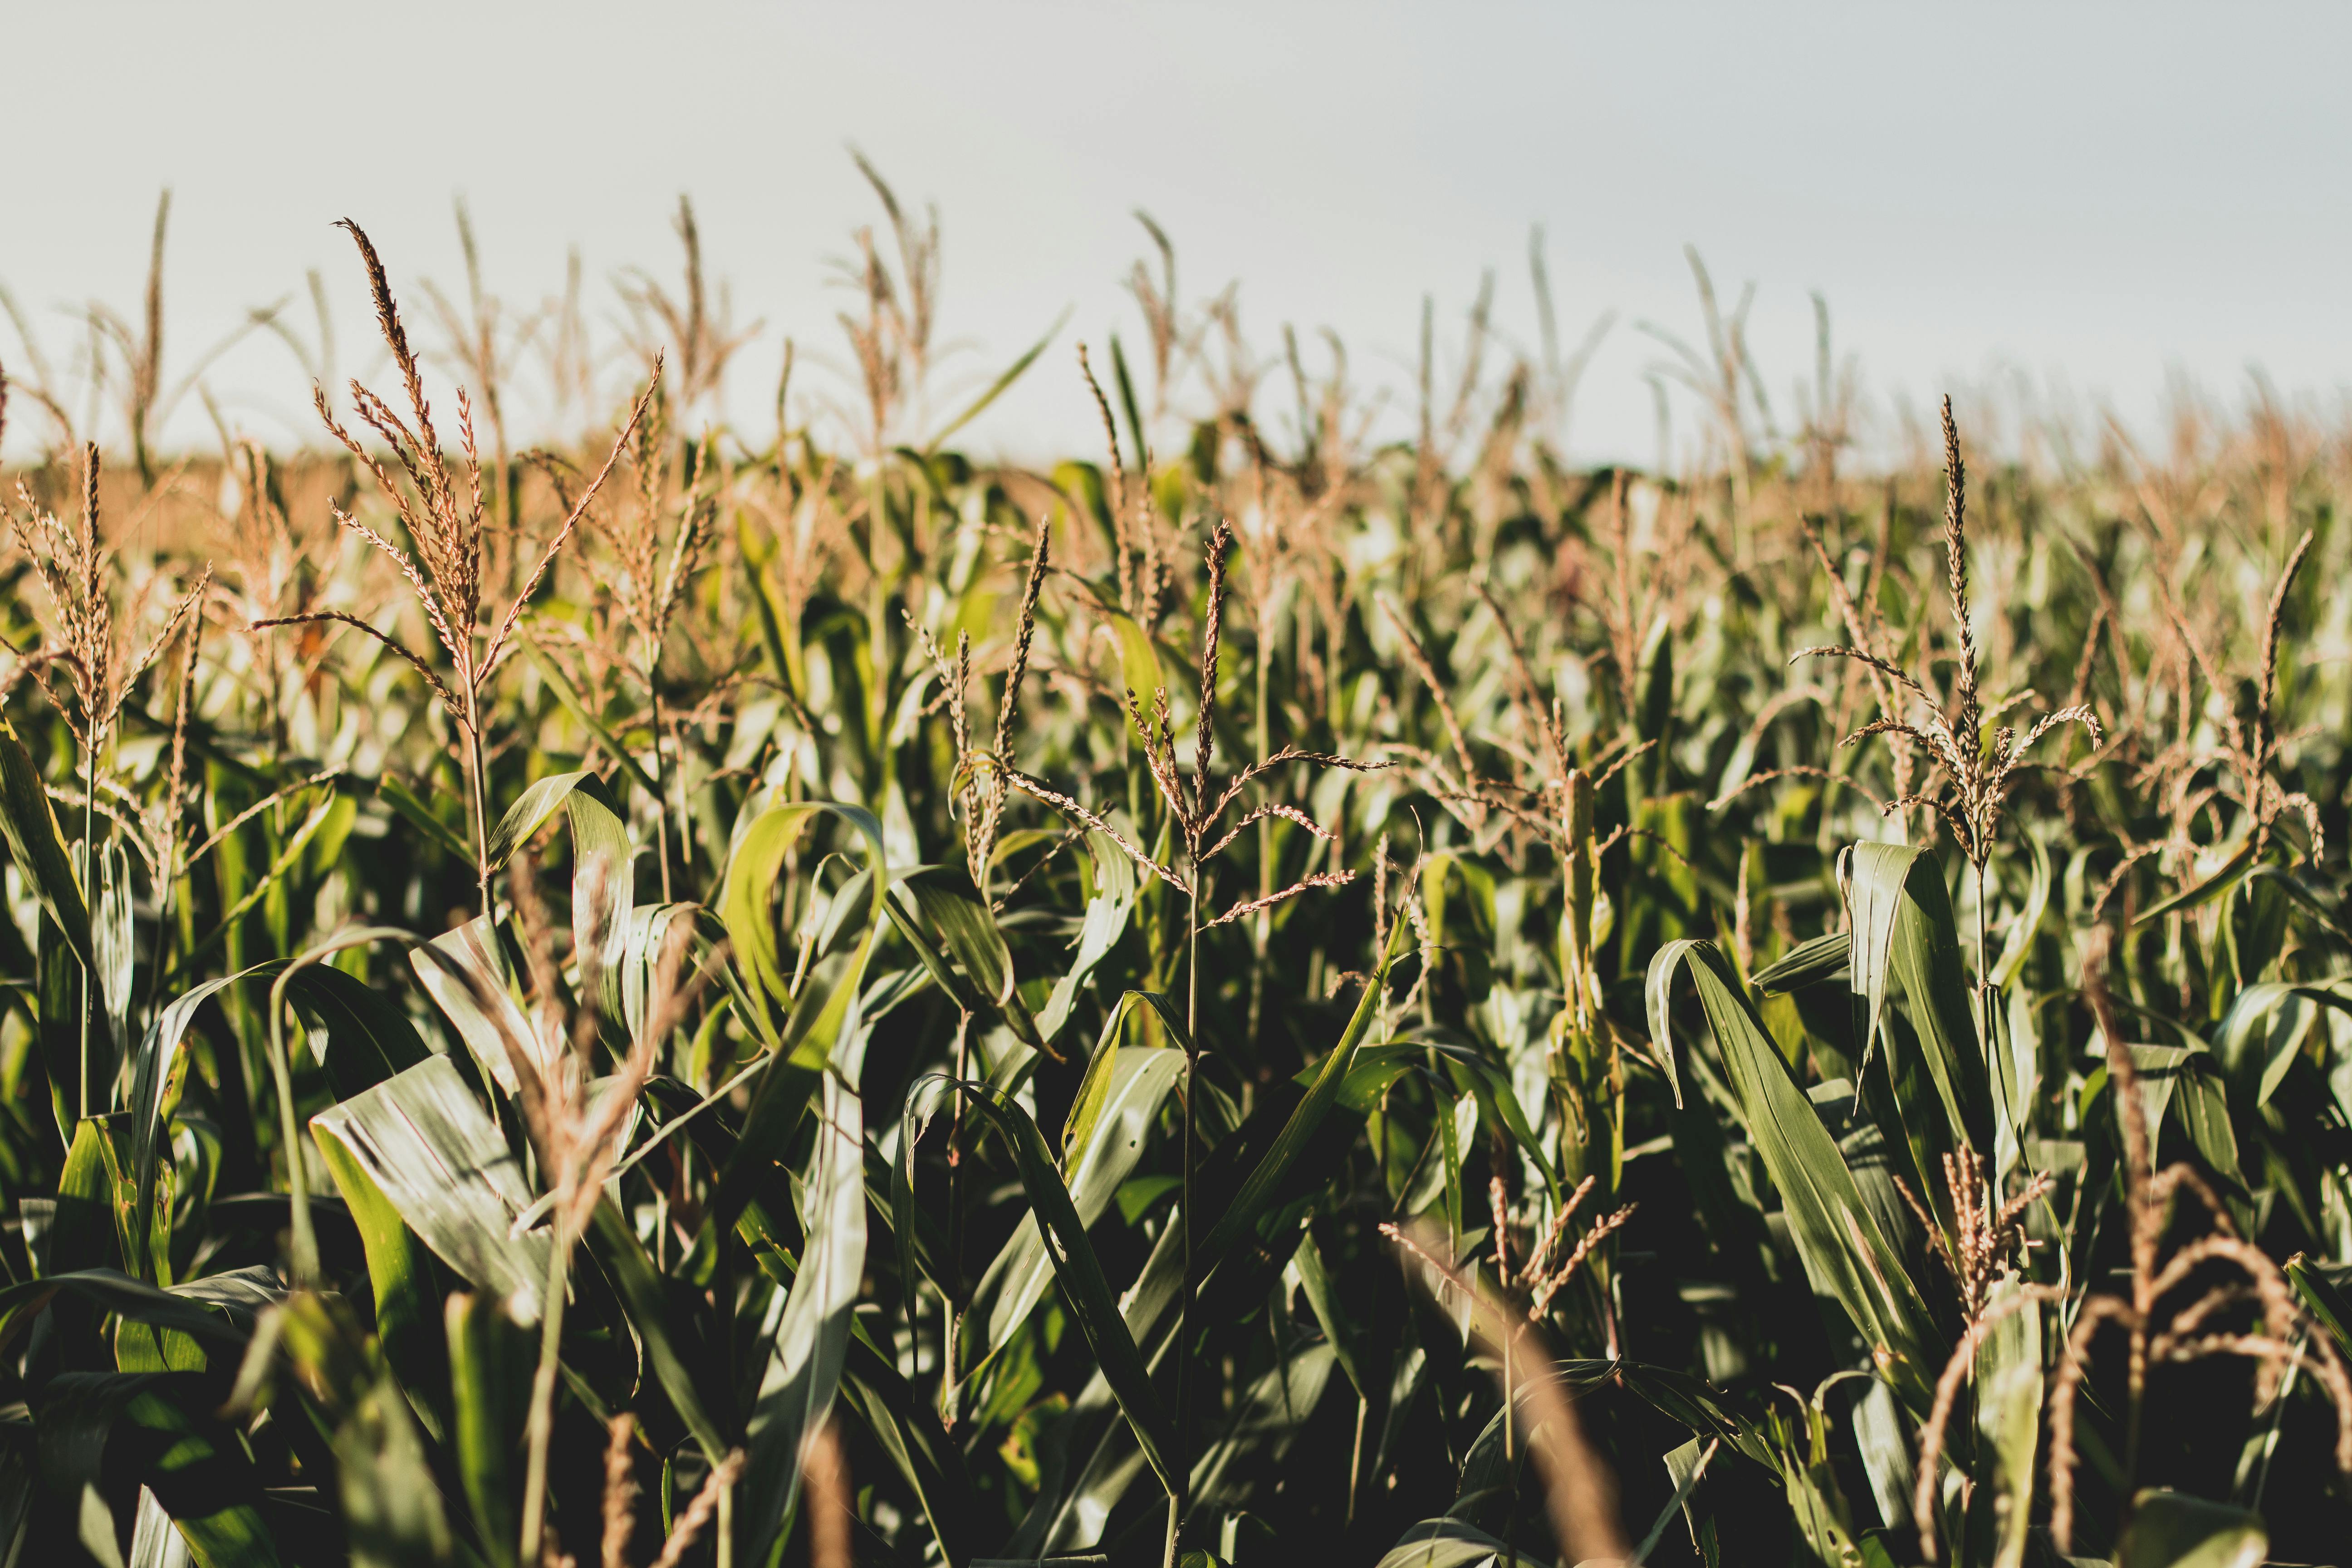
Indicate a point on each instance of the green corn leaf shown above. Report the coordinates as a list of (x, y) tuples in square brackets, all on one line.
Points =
[(616, 1245), (995, 389), (425, 1142), (604, 878), (1077, 1269), (2173, 1529), (2009, 1409), (2223, 879), (490, 1363), (1903, 928), (1451, 1543), (159, 1426), (819, 1021), (2018, 943), (1107, 914), (407, 1299), (1315, 1280), (530, 812), (464, 973), (1247, 1458), (1240, 1218), (218, 1315), (1819, 962), (149, 1072), (573, 704), (37, 845), (967, 928), (1096, 1163), (1845, 1254), (112, 938), (1138, 657), (747, 895), (909, 1431), (411, 806), (808, 1338), (355, 1034)]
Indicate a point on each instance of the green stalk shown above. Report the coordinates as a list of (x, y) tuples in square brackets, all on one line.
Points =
[(1265, 922), (478, 790), (951, 1310), (88, 892), (302, 1245), (542, 1424), (1180, 1498), (661, 789)]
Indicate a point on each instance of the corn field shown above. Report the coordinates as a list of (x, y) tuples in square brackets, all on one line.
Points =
[(705, 995)]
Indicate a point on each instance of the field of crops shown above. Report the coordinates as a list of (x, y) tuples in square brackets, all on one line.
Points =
[(725, 995)]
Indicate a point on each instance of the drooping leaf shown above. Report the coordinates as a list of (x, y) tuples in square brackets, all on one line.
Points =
[(1106, 917), (1819, 961), (819, 1019), (1095, 1166), (490, 1362), (37, 845), (160, 1427), (808, 1333), (1076, 1266), (147, 1082), (1240, 1218), (1845, 1253), (425, 1144), (407, 1303), (530, 812), (465, 973), (1450, 1543), (355, 1034), (2174, 1530)]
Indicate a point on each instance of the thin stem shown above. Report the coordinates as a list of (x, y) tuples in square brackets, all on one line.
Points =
[(1265, 922), (542, 1424), (302, 1245), (661, 788), (477, 787), (1355, 1455), (88, 890), (1181, 1497), (952, 1308), (1984, 970)]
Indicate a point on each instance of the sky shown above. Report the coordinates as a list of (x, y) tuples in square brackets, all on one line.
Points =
[(2079, 203)]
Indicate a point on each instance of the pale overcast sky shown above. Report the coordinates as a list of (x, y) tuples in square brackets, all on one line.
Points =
[(2092, 195)]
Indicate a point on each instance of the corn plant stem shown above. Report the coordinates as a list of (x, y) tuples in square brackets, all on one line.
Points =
[(1179, 1498), (1510, 1391), (1356, 1456), (541, 1423), (302, 1245), (951, 1310), (478, 789), (661, 787), (89, 895), (1263, 925), (1984, 978)]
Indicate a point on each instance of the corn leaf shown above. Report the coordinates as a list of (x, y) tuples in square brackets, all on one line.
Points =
[(425, 1142), (1845, 1254), (37, 845)]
